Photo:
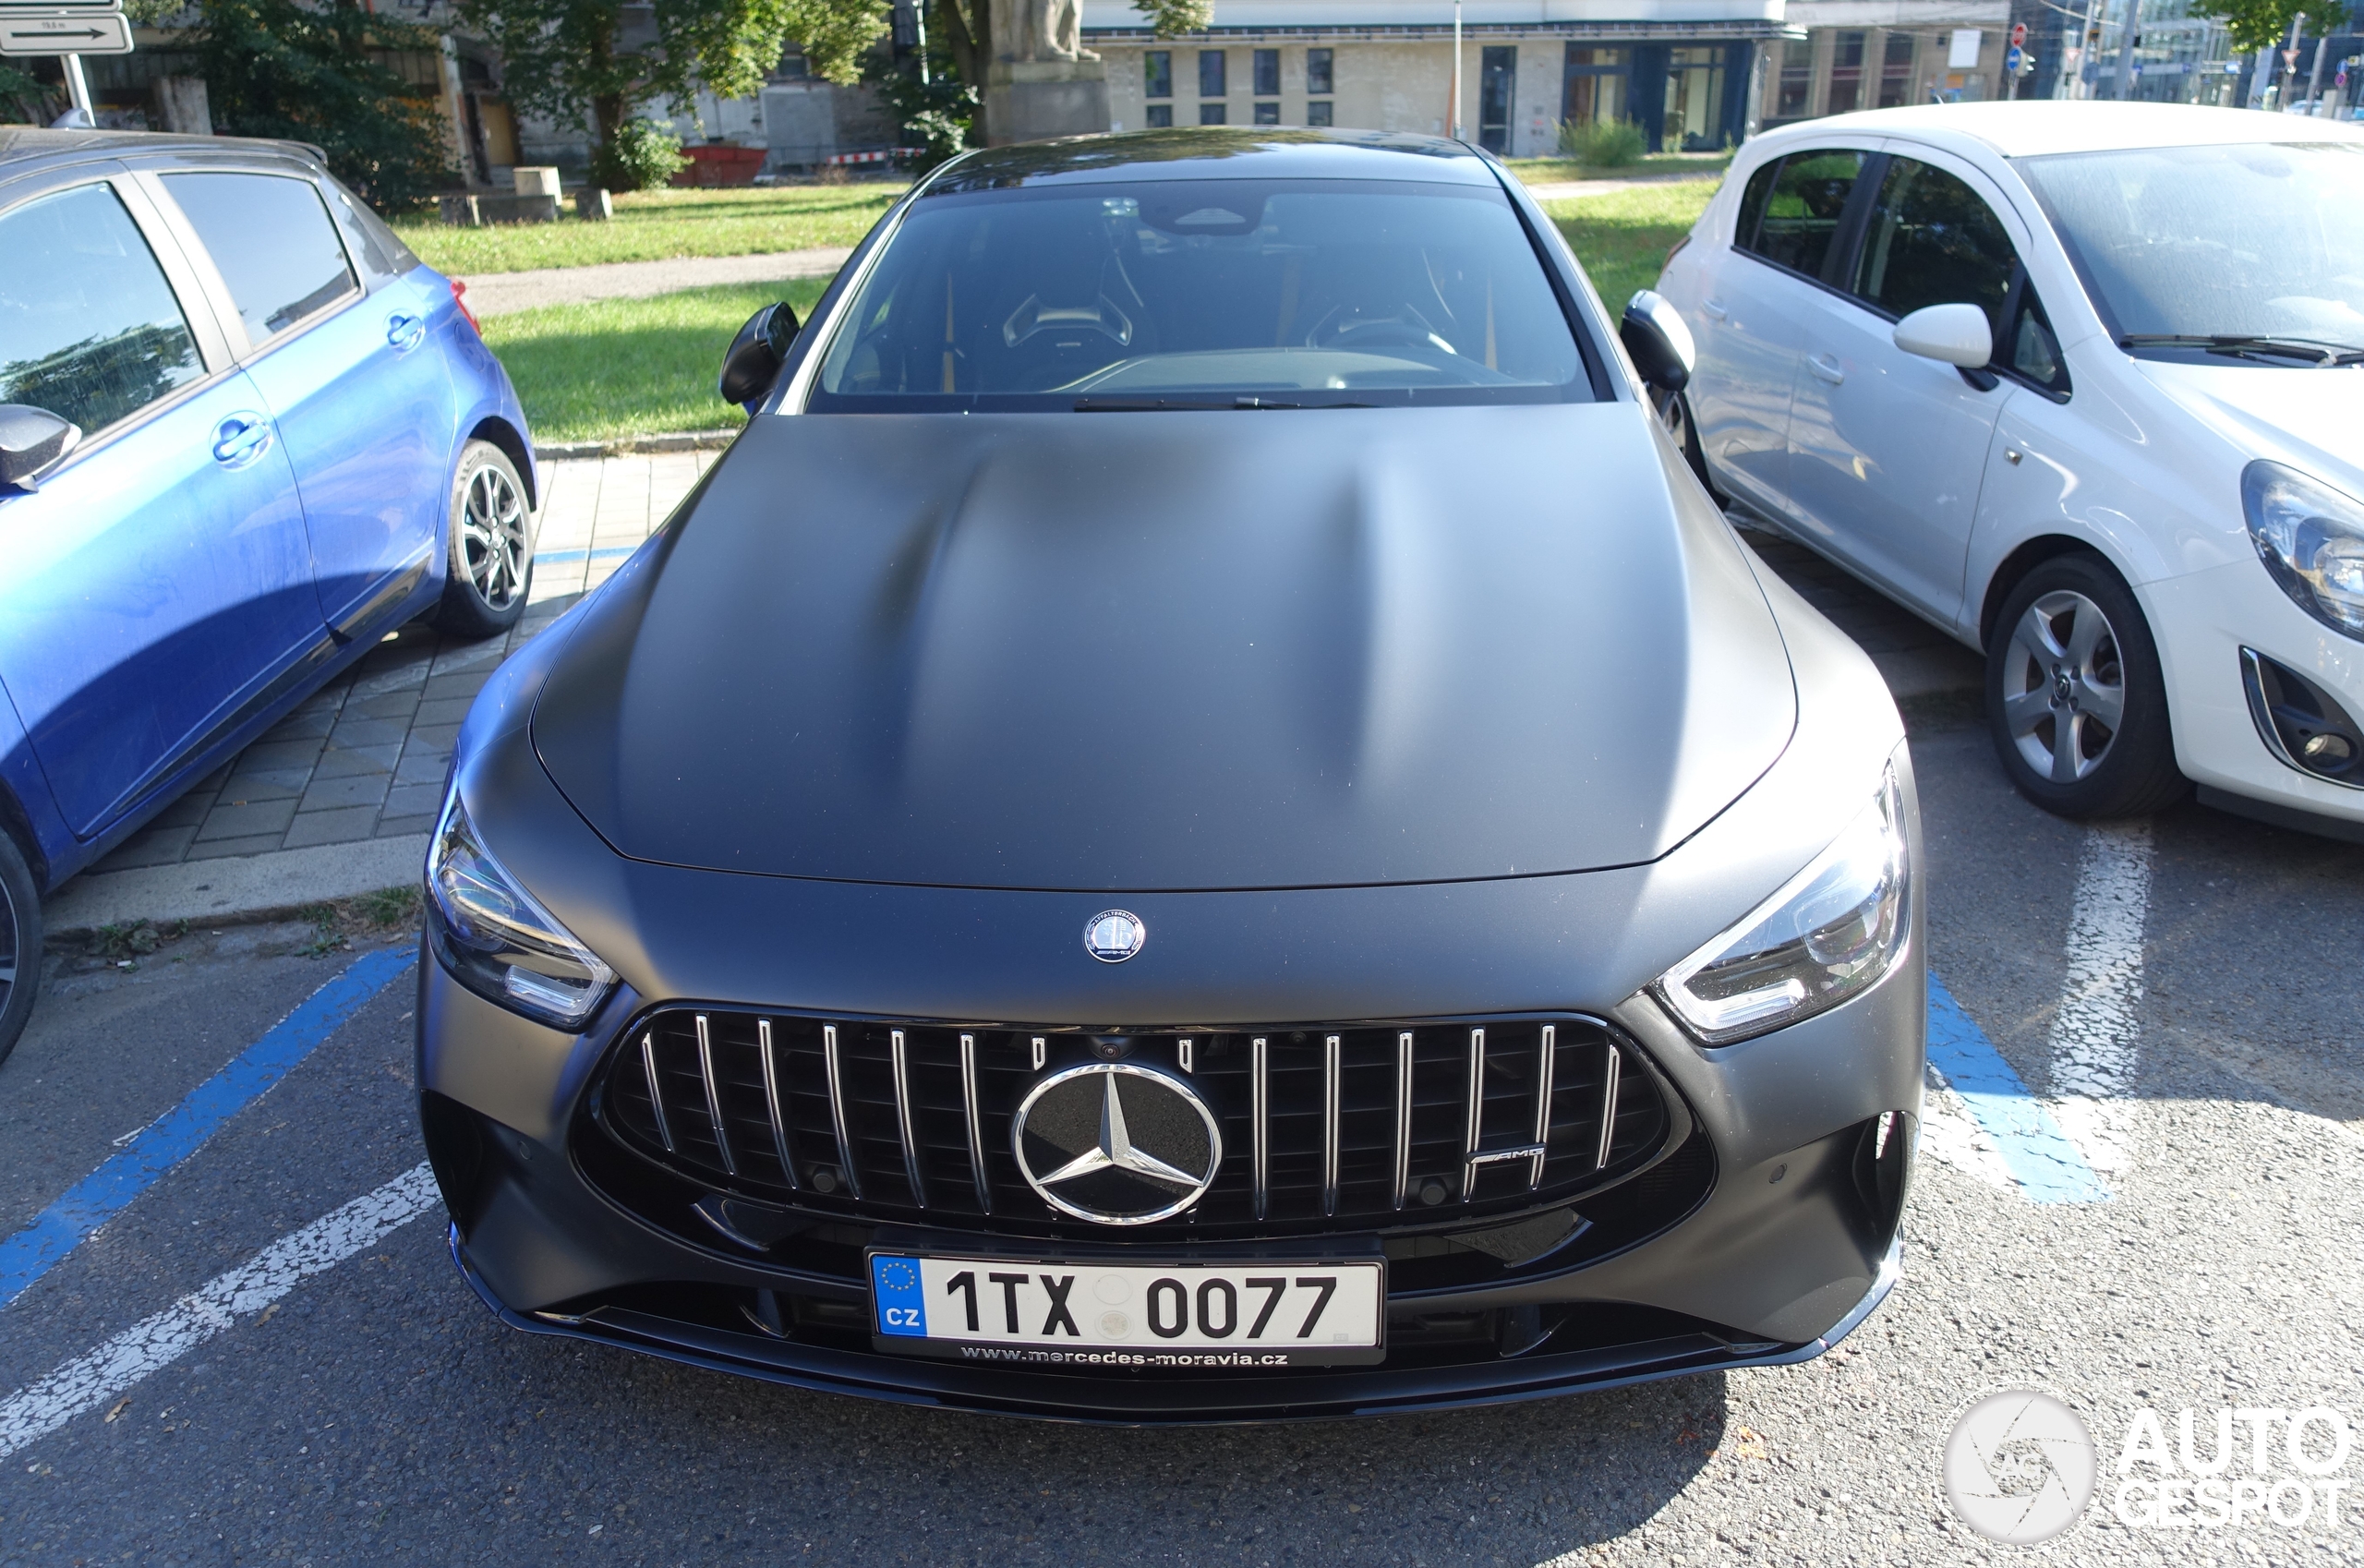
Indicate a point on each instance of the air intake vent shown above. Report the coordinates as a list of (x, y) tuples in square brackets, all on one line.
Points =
[(1368, 1125)]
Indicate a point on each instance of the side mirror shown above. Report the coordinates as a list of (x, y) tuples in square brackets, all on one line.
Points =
[(33, 442), (1658, 342), (757, 353), (1952, 334)]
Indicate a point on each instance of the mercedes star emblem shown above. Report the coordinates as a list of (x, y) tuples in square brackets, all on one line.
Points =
[(1114, 935), (1117, 1142)]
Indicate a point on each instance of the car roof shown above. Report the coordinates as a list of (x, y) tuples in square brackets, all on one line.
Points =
[(1208, 152), (2036, 127), (20, 145)]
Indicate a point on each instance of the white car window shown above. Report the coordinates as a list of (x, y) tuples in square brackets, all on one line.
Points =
[(1790, 212), (2204, 244)]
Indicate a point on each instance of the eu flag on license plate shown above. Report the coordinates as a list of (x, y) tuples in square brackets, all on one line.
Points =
[(903, 1305)]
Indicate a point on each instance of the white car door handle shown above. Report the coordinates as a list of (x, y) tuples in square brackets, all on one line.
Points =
[(1828, 368), (1715, 307)]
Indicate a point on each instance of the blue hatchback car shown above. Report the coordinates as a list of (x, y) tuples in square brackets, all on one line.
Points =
[(244, 432)]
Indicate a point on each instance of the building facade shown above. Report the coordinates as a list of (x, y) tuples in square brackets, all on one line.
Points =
[(1684, 70)]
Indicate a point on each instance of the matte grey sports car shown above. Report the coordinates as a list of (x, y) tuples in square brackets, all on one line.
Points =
[(1201, 821)]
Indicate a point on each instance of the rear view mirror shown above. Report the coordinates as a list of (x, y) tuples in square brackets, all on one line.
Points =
[(1658, 342), (757, 353), (33, 442), (1951, 335)]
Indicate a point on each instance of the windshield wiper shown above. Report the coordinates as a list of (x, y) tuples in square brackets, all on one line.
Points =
[(2249, 346), (1194, 404)]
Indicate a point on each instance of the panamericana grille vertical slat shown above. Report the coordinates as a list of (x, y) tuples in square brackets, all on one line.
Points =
[(770, 1067), (1331, 1089), (714, 1099), (1403, 1114), (969, 1116), (1356, 1124), (1610, 1075), (656, 1090), (836, 1070), (1475, 1137), (1546, 1050), (1260, 1113), (903, 1118)]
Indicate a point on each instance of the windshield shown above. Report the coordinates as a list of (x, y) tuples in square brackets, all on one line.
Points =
[(1192, 292), (2257, 240)]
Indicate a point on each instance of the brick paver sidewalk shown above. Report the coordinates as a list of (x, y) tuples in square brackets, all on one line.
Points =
[(364, 757)]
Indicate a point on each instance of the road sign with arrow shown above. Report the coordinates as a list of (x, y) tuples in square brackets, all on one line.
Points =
[(56, 29)]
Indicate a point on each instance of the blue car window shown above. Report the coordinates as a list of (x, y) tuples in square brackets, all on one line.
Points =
[(273, 242), (89, 328)]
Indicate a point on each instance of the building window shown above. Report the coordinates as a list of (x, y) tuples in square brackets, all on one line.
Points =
[(1160, 116), (1318, 113), (1210, 113), (1896, 71), (1210, 82), (1157, 72), (1846, 73), (1797, 83), (1497, 75), (1268, 73), (1317, 73), (1268, 114), (1592, 86), (1693, 116)]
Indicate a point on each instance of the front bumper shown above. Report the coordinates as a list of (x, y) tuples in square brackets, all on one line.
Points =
[(1785, 1240), (2202, 622)]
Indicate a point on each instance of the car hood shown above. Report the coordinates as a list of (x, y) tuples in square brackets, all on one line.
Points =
[(2298, 414), (1175, 651)]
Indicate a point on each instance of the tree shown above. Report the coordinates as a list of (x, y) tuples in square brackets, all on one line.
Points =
[(581, 61), (2257, 24), (309, 73)]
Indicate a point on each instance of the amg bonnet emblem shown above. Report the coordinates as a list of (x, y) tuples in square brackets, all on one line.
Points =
[(1114, 935)]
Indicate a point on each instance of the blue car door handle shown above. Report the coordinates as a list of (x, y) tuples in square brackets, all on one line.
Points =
[(405, 331), (240, 439)]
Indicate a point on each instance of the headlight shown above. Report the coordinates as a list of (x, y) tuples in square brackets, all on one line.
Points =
[(1832, 931), (2311, 538), (496, 940)]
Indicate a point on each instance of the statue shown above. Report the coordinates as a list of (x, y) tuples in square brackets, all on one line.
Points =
[(1039, 31), (1042, 82)]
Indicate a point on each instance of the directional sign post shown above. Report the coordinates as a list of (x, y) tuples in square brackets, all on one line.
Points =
[(69, 32)]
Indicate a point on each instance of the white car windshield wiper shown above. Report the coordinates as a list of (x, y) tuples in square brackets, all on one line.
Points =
[(2248, 346)]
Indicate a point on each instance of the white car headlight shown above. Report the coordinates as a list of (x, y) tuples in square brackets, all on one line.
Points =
[(2312, 539), (501, 943), (1830, 932)]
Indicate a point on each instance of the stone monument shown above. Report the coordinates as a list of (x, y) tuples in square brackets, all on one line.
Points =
[(1042, 82)]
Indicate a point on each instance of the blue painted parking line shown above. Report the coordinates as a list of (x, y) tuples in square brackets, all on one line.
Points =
[(2047, 1166), (182, 1130), (569, 557)]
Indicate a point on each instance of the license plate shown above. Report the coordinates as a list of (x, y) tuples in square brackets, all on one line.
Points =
[(1215, 1317)]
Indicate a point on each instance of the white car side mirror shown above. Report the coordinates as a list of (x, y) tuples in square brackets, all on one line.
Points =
[(1952, 334)]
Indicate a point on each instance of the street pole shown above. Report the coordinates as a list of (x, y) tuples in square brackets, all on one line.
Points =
[(2086, 61), (2315, 76), (2126, 50), (1454, 116), (78, 90)]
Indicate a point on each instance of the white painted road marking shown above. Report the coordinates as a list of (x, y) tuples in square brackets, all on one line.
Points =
[(88, 1381), (2093, 1034)]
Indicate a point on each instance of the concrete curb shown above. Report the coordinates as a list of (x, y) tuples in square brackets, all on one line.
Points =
[(684, 440), (233, 890)]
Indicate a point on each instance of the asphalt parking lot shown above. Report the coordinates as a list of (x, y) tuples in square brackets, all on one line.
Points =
[(2177, 997)]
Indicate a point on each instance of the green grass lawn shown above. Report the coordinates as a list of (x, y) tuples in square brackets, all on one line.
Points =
[(656, 225), (1546, 171), (647, 366), (632, 367), (1623, 237)]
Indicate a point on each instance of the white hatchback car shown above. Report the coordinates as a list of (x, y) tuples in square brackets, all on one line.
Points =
[(2083, 385)]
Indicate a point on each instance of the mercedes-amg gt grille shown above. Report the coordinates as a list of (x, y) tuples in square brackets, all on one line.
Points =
[(1375, 1124)]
